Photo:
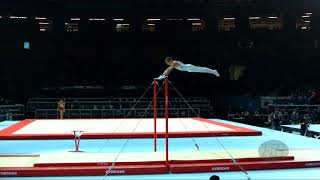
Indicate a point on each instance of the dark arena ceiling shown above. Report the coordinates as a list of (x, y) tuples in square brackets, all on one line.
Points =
[(152, 7)]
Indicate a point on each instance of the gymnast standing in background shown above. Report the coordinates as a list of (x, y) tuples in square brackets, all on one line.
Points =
[(61, 108)]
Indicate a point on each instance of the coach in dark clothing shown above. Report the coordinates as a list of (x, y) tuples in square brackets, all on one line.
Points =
[(304, 126)]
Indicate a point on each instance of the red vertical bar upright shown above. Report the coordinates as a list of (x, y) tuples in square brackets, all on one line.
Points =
[(76, 142), (155, 113), (167, 115)]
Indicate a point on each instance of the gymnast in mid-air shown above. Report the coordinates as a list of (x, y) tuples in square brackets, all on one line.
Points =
[(173, 64)]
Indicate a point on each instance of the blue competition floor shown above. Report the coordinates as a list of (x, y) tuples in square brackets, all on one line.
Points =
[(175, 144)]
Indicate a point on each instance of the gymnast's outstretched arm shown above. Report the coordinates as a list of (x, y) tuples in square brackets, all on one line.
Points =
[(172, 66), (165, 74), (168, 70)]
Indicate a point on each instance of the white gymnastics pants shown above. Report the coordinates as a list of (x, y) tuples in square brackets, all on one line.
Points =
[(197, 69)]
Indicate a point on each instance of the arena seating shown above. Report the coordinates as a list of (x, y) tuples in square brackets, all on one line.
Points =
[(118, 107), (11, 112)]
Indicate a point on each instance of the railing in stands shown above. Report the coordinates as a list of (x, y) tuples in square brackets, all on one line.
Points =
[(114, 113), (203, 105), (11, 111), (279, 107), (121, 99)]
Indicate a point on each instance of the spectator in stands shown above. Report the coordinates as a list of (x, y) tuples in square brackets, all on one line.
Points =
[(2, 101), (314, 97), (211, 112), (9, 116), (229, 109), (238, 115), (269, 118), (294, 117), (61, 108), (317, 114)]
